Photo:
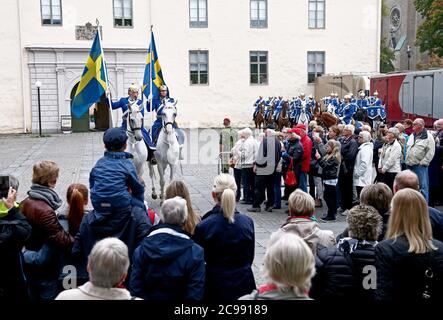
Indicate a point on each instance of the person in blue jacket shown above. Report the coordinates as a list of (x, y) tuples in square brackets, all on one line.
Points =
[(113, 180), (228, 240), (168, 265)]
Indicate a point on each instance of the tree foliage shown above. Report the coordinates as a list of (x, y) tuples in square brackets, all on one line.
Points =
[(386, 57), (430, 33)]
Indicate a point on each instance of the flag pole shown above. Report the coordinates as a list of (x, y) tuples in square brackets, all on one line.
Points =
[(150, 78), (108, 89)]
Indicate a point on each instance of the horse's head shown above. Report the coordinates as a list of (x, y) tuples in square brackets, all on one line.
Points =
[(169, 114), (135, 121)]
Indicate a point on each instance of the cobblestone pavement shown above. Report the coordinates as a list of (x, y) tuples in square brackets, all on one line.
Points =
[(77, 153)]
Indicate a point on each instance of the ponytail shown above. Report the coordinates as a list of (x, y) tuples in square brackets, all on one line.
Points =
[(227, 203), (77, 197)]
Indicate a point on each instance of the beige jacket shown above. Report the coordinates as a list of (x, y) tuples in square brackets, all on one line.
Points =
[(90, 292), (390, 157), (420, 149), (310, 231)]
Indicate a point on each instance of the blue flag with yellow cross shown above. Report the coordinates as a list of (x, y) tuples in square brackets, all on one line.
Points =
[(153, 72), (93, 81)]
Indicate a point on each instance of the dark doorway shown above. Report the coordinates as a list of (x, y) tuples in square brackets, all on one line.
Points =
[(101, 114), (79, 124)]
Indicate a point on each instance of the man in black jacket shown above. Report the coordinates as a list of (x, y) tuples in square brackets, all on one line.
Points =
[(349, 150), (268, 157)]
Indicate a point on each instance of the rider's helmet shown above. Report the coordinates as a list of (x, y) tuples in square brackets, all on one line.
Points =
[(362, 94), (310, 96), (133, 87), (163, 88), (376, 93)]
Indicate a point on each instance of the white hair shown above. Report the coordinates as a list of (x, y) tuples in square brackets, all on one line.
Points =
[(174, 211), (108, 262), (349, 127), (366, 127), (289, 262), (394, 131), (366, 136), (225, 189), (400, 127), (247, 132)]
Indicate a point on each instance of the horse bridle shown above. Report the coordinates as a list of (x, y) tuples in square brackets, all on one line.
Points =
[(133, 129)]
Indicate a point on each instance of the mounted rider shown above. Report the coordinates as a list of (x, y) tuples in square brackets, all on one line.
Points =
[(258, 103), (374, 100), (362, 102), (158, 104), (132, 100), (268, 104), (348, 110), (278, 103)]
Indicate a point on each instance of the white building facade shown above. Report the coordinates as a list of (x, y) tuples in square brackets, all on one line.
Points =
[(217, 57)]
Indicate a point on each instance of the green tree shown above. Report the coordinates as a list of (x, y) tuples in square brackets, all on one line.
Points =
[(386, 57), (430, 33)]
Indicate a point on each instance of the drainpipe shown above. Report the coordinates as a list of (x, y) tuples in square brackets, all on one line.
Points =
[(21, 65)]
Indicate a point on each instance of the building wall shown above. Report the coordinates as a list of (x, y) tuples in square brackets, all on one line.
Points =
[(350, 45)]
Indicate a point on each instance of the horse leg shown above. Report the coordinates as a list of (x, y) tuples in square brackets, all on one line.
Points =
[(152, 176), (161, 172)]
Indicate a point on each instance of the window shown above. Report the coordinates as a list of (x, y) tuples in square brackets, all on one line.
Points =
[(122, 13), (316, 65), (198, 13), (259, 67), (316, 14), (259, 13), (51, 12), (198, 67)]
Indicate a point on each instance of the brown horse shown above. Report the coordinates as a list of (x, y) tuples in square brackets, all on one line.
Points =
[(283, 119), (326, 119), (259, 119)]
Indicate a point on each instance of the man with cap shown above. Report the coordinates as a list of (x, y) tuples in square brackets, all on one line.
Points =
[(310, 105), (113, 180), (362, 102), (228, 137), (348, 111), (257, 105), (374, 100), (278, 106), (132, 100)]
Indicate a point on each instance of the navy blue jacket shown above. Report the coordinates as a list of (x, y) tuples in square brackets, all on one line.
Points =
[(168, 266), (436, 218), (110, 178), (229, 253), (130, 226)]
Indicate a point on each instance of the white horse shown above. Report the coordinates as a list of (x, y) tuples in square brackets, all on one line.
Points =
[(303, 116), (136, 146), (168, 149)]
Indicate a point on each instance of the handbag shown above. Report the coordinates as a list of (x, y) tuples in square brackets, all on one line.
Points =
[(290, 180)]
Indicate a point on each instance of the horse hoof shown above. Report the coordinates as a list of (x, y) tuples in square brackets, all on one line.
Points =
[(154, 196)]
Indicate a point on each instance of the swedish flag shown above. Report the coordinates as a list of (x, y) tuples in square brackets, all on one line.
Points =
[(93, 81), (153, 72)]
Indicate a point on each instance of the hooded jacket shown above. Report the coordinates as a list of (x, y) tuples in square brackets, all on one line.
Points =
[(168, 266), (130, 226), (309, 231)]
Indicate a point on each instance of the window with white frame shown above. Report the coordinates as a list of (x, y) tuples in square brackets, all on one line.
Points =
[(316, 14), (259, 13), (123, 13), (198, 67), (316, 65), (51, 11), (258, 67), (198, 13)]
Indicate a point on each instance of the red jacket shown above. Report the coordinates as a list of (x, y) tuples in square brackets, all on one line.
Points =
[(307, 149)]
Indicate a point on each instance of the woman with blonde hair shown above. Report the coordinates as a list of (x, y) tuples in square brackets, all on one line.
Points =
[(409, 262), (289, 266), (330, 165), (228, 240), (178, 189)]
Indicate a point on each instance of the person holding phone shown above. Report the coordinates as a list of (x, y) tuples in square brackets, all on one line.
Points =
[(14, 231)]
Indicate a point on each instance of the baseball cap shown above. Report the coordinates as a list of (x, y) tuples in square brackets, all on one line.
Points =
[(114, 139)]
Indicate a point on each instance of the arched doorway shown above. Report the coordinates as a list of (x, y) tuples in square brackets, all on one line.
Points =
[(99, 111)]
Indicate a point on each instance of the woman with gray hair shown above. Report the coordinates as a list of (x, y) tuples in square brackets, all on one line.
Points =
[(168, 265), (108, 265), (340, 268), (389, 163), (363, 162)]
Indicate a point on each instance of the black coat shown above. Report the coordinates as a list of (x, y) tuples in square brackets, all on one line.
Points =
[(401, 274), (330, 168), (294, 151), (14, 231), (229, 253), (349, 150), (340, 274)]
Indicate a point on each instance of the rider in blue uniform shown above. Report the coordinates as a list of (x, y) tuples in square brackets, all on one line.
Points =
[(123, 104), (257, 105), (363, 101), (374, 100), (278, 106), (348, 110), (310, 105)]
